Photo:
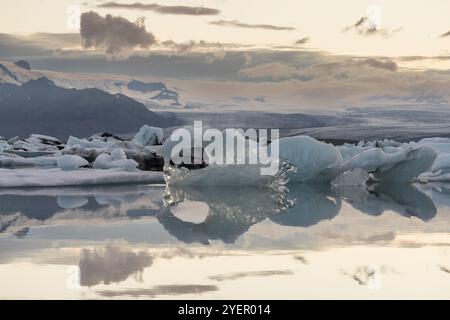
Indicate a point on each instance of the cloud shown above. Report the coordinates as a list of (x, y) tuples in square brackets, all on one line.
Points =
[(238, 24), (366, 27), (113, 34), (181, 10), (273, 71), (38, 44), (239, 275), (288, 79), (110, 264), (199, 45), (57, 39), (445, 35), (164, 290), (302, 41), (385, 64)]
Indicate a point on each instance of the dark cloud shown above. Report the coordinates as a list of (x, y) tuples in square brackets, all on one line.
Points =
[(57, 39), (238, 24), (421, 58), (445, 35), (385, 64), (445, 269), (37, 44), (365, 27), (302, 40), (269, 71), (239, 275), (202, 44), (166, 290), (113, 34), (14, 46), (182, 10), (110, 264)]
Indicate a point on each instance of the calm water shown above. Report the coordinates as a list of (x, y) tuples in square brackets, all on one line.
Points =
[(155, 242)]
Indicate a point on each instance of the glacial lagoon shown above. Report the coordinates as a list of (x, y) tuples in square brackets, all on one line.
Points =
[(157, 242)]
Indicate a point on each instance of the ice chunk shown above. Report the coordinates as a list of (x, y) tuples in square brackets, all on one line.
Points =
[(354, 177), (118, 154), (166, 149), (417, 161), (442, 164), (84, 143), (71, 202), (315, 160), (441, 145), (149, 136), (117, 159), (145, 156), (56, 177), (68, 162), (34, 144), (373, 159)]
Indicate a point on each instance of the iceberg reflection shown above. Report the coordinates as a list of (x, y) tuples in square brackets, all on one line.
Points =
[(232, 211), (229, 212)]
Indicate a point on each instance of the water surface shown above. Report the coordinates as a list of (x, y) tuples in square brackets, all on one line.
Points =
[(151, 242)]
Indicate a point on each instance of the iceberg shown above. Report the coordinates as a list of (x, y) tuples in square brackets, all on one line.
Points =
[(149, 136), (354, 177), (314, 160), (417, 161), (222, 175)]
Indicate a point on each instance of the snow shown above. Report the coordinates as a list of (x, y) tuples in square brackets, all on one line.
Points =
[(71, 162), (149, 136), (56, 177)]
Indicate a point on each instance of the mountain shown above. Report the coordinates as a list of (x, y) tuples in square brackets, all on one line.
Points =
[(154, 95), (157, 90), (40, 106), (17, 73)]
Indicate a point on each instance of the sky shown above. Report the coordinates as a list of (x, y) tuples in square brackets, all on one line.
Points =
[(419, 23), (293, 53)]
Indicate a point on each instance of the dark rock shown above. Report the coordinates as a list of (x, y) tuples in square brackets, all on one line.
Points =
[(23, 64)]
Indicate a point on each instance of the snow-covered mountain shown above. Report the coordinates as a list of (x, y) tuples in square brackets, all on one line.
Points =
[(40, 106), (154, 95)]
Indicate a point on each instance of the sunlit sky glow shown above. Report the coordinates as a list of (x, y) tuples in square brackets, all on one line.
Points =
[(323, 21)]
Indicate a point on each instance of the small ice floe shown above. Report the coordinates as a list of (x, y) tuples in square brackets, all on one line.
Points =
[(71, 202), (141, 151), (56, 177), (68, 162), (15, 161), (117, 159), (34, 146)]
